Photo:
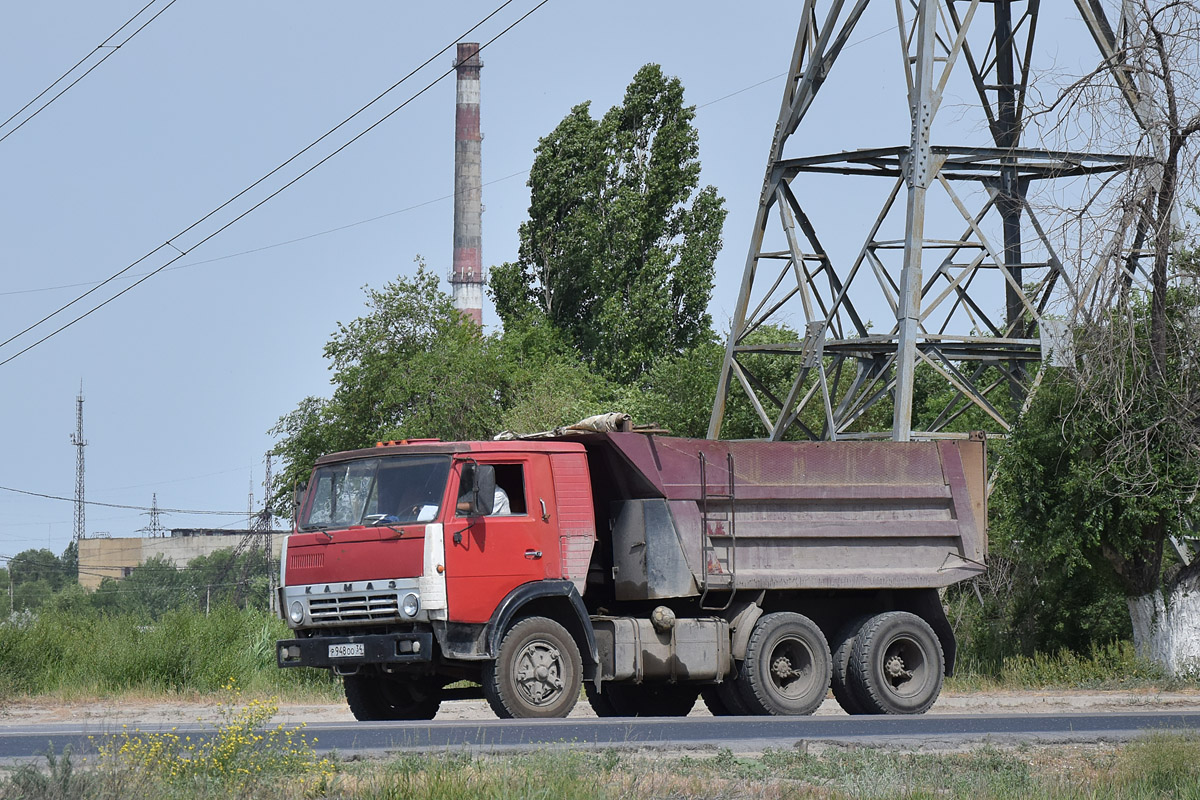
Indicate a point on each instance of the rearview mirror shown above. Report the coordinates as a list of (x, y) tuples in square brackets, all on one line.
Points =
[(477, 489)]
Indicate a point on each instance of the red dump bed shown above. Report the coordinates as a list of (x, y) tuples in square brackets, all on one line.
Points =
[(836, 515)]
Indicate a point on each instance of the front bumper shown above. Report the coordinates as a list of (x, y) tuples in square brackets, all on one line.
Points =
[(412, 647)]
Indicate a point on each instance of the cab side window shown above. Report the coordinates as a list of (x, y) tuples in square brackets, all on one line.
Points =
[(510, 484)]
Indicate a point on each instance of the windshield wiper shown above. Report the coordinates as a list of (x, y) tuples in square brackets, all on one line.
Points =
[(384, 521), (317, 529)]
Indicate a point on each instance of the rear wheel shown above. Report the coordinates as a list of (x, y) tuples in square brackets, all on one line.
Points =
[(384, 697), (897, 661), (537, 671), (847, 693), (725, 699), (787, 666), (642, 699)]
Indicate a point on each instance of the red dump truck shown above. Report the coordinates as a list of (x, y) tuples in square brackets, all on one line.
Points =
[(648, 570)]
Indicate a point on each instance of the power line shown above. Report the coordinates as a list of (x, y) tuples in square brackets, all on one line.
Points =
[(121, 505), (109, 50), (782, 74), (264, 247), (180, 253), (388, 214)]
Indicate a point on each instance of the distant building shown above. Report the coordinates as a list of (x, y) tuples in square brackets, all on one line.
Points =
[(117, 557)]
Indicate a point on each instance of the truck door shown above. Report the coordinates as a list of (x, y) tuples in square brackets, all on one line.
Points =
[(488, 557)]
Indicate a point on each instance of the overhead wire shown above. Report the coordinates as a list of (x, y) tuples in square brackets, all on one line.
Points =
[(388, 214), (855, 43), (284, 243), (122, 505), (181, 253), (102, 46)]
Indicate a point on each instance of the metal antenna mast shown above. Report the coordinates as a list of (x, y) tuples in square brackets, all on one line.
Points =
[(80, 443), (968, 303)]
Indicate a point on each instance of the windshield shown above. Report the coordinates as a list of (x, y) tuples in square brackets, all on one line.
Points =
[(379, 491)]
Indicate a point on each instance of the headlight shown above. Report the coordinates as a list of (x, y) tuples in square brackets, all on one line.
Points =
[(410, 605), (296, 612)]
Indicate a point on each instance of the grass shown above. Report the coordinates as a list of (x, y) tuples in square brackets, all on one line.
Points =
[(1158, 766), (1111, 666), (84, 655)]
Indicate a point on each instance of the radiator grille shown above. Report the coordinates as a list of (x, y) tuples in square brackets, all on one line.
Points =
[(354, 607), (306, 560)]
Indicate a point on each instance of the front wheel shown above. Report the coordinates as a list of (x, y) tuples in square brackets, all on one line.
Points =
[(897, 664), (787, 667), (383, 697), (537, 671)]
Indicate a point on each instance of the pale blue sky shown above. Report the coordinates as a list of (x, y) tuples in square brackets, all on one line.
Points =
[(185, 374)]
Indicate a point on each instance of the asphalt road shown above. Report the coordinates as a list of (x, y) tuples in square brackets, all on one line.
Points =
[(741, 734)]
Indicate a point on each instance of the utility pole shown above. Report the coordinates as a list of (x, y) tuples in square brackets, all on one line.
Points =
[(80, 443), (264, 524)]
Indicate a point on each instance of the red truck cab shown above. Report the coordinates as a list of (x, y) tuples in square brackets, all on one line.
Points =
[(397, 543)]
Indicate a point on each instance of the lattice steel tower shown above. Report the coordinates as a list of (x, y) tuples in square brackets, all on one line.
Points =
[(155, 529), (938, 242), (80, 443)]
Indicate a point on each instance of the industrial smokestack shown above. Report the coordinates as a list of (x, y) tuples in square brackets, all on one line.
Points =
[(466, 276)]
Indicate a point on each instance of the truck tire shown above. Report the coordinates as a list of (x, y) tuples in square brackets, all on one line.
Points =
[(847, 693), (381, 697), (787, 667), (897, 664), (642, 699), (725, 699), (537, 672)]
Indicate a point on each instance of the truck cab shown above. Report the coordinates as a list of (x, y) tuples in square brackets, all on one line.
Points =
[(401, 545)]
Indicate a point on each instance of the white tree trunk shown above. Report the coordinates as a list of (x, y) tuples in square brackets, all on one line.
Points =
[(1168, 632)]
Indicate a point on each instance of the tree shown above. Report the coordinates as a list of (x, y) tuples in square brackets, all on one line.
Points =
[(412, 366), (1102, 474), (1104, 470), (618, 250), (31, 566)]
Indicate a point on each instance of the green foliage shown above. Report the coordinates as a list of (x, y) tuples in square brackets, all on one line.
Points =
[(1100, 473), (1161, 765), (1111, 666), (619, 247), (239, 755), (1024, 607), (159, 586), (412, 366), (61, 781), (677, 392), (37, 574), (83, 651)]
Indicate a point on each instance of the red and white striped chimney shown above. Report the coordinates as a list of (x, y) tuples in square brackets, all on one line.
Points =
[(466, 276)]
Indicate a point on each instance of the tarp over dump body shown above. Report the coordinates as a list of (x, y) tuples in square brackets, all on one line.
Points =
[(807, 515)]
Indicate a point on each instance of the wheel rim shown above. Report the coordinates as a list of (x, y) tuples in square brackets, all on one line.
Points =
[(790, 667), (904, 667), (538, 673)]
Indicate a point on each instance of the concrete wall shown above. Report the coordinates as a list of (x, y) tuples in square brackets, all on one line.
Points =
[(114, 558)]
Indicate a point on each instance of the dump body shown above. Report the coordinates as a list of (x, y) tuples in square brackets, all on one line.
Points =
[(797, 515)]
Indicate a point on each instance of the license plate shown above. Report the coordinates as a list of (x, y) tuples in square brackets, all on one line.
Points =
[(347, 650)]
